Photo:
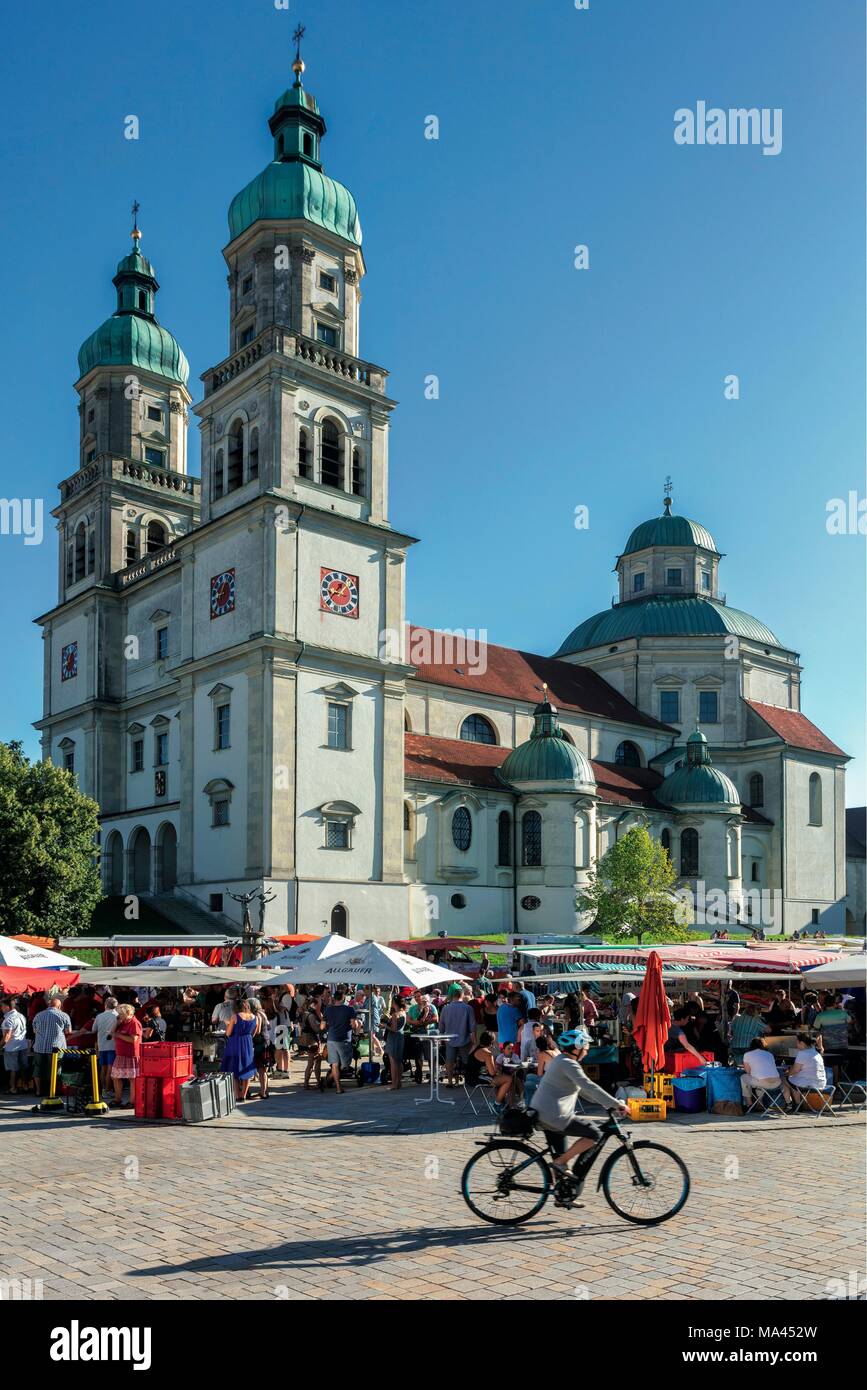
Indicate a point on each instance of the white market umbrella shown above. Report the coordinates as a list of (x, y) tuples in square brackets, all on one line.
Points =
[(848, 970), (372, 964), (294, 956), (178, 977), (22, 953)]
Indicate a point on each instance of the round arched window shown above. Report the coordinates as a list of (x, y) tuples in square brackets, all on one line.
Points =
[(462, 828), (530, 903), (477, 729), (458, 900), (627, 755)]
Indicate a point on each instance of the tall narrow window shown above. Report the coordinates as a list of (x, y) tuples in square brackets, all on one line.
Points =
[(338, 726), (708, 707), (253, 469), (70, 563), (162, 643), (531, 839), (303, 455), (161, 750), (235, 468), (665, 841), (80, 550), (308, 144), (130, 549), (408, 831), (219, 486), (815, 799), (504, 840), (674, 578), (689, 853), (638, 582), (332, 461), (462, 829), (326, 334), (223, 722), (156, 536), (757, 789), (357, 473), (142, 301)]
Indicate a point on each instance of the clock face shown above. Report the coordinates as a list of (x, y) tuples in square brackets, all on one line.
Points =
[(222, 593), (69, 661), (338, 592)]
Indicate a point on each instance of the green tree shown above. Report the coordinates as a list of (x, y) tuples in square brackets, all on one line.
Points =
[(49, 880), (631, 892)]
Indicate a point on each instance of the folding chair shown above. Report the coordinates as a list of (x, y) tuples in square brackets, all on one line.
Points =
[(825, 1093), (483, 1093), (849, 1089), (766, 1101)]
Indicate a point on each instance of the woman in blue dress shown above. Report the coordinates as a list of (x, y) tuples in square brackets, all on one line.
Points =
[(238, 1057)]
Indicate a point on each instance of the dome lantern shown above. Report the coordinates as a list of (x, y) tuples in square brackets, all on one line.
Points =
[(699, 783), (547, 761)]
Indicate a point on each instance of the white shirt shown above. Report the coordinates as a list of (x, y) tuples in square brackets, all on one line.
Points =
[(14, 1029), (528, 1042), (223, 1012), (761, 1064), (812, 1071), (103, 1023)]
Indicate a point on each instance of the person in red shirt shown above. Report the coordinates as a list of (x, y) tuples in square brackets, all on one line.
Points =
[(591, 1009), (81, 1007), (126, 1035)]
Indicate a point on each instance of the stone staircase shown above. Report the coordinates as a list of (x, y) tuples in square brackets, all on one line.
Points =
[(189, 917)]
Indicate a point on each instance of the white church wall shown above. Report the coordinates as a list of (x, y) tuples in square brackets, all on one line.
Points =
[(320, 550), (220, 851)]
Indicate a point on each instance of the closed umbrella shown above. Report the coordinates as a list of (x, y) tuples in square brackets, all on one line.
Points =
[(652, 1017)]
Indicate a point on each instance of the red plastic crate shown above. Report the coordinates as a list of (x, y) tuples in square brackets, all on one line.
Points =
[(147, 1098), (168, 1049), (167, 1060), (684, 1061), (170, 1098)]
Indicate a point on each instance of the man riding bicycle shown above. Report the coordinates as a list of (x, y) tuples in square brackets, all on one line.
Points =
[(554, 1100)]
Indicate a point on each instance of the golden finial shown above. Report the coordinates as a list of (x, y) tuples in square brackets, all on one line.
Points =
[(298, 65), (136, 232)]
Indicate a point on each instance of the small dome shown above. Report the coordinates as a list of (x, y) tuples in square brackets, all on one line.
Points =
[(292, 190), (127, 340), (701, 784), (665, 615), (546, 757), (669, 530)]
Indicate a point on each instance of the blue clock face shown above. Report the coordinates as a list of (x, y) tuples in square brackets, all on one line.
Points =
[(69, 662), (222, 593)]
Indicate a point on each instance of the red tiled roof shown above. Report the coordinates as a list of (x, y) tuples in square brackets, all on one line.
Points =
[(458, 762), (515, 675), (795, 729)]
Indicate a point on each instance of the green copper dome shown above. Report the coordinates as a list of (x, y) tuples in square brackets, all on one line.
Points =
[(290, 191), (132, 337), (668, 530), (547, 756), (294, 186), (666, 616), (699, 783)]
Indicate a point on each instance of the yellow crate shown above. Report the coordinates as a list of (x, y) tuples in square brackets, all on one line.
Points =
[(640, 1110), (659, 1086)]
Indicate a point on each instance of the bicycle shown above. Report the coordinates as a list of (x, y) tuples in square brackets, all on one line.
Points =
[(514, 1171)]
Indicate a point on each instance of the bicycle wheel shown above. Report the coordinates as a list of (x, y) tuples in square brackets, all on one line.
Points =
[(506, 1183), (657, 1194)]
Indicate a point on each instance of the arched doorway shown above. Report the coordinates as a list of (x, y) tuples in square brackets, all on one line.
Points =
[(167, 858), (139, 861), (113, 865), (339, 919)]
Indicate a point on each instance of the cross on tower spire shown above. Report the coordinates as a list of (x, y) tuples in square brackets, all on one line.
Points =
[(668, 495), (298, 65), (135, 234)]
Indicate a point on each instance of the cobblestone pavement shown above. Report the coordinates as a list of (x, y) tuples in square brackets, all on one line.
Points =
[(309, 1196)]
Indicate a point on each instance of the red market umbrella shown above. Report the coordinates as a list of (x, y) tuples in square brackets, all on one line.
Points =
[(15, 979), (652, 1017)]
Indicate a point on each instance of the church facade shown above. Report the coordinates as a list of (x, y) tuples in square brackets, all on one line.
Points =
[(229, 673)]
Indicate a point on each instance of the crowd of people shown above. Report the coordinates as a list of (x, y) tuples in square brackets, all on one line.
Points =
[(498, 1032)]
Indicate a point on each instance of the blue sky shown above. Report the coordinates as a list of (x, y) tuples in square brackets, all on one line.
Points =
[(557, 387)]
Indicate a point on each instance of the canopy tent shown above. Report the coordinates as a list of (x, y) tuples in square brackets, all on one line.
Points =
[(17, 953), (161, 977), (15, 979), (373, 964), (606, 974), (715, 956), (317, 948), (845, 970)]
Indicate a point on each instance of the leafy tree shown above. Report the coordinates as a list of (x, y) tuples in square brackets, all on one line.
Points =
[(631, 892), (49, 881)]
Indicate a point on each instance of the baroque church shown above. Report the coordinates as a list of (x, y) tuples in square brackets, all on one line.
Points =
[(216, 674)]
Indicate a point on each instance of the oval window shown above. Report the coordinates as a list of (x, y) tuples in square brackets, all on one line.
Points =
[(462, 828), (458, 900), (530, 903)]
